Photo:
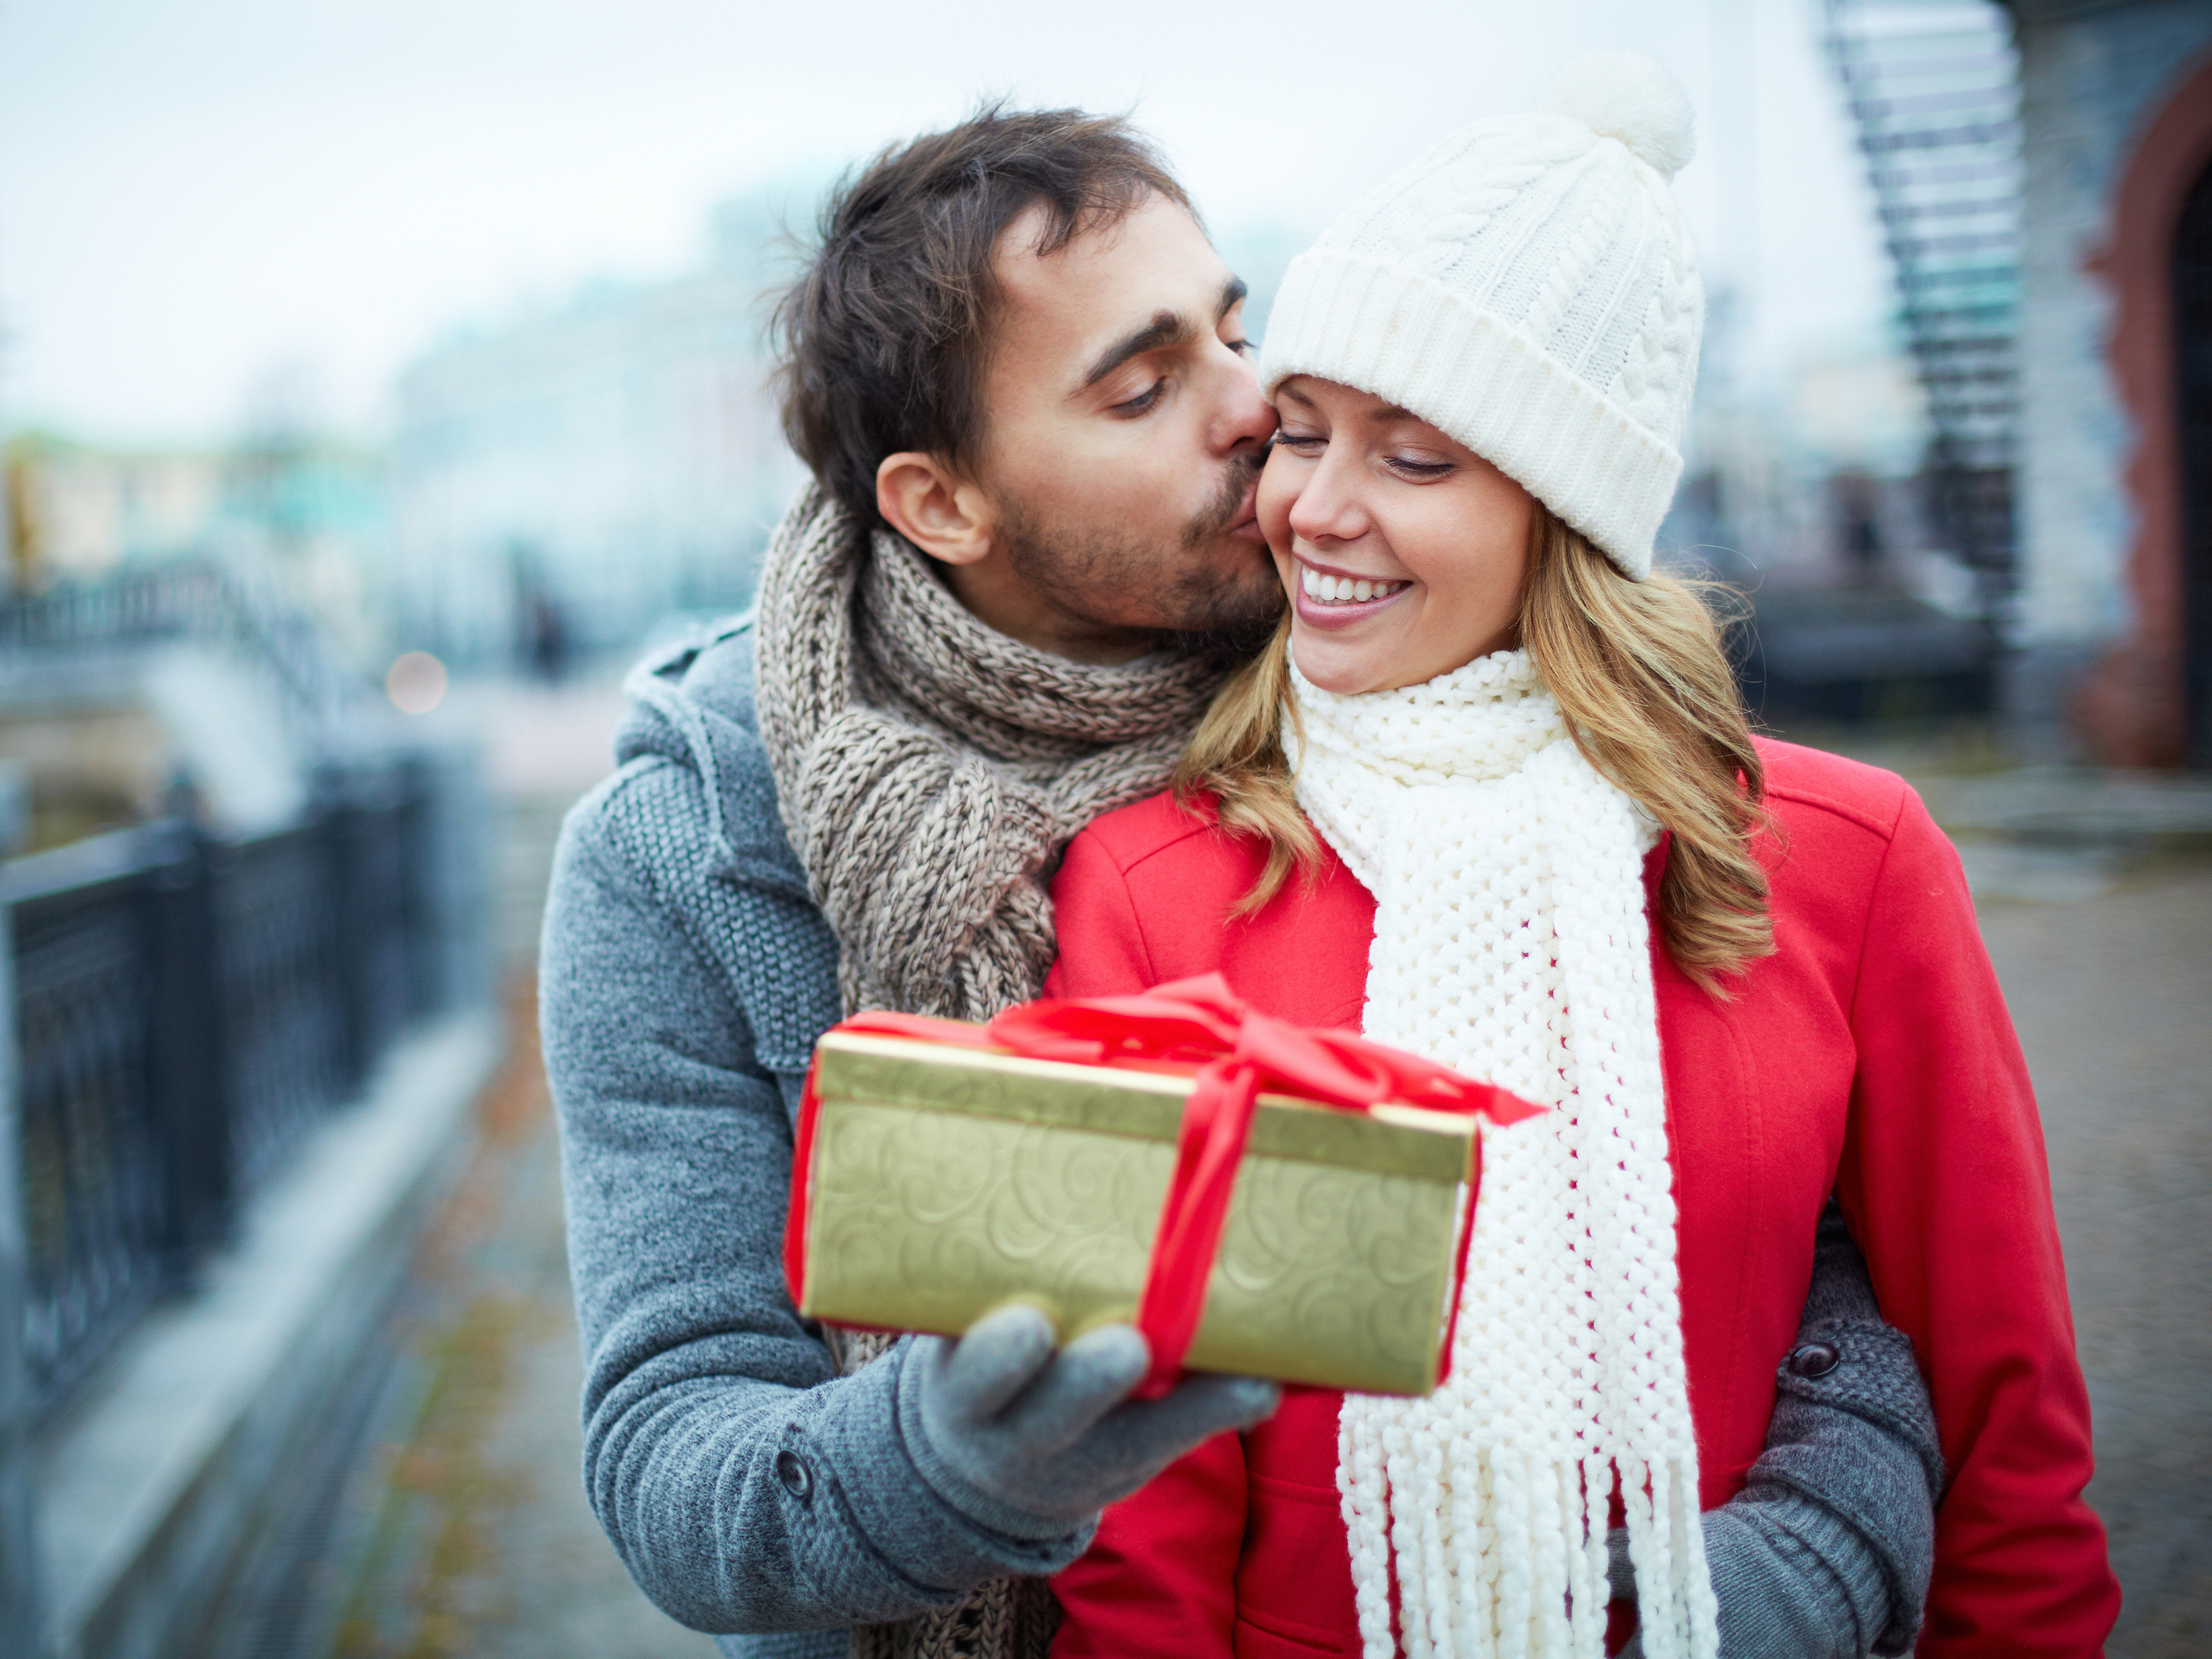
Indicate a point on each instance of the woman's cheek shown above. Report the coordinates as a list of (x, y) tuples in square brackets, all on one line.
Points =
[(1279, 493)]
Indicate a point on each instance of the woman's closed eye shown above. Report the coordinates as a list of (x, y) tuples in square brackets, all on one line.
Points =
[(1420, 467)]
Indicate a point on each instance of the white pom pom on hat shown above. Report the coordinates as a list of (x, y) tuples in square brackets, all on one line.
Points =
[(1529, 288), (1628, 97)]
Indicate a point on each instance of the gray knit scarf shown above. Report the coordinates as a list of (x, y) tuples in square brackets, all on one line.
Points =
[(930, 772)]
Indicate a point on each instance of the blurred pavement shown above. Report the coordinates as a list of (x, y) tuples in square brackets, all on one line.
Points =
[(455, 1525), (465, 1532), (2113, 996)]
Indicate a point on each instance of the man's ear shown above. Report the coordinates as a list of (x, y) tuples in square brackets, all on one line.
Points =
[(943, 514)]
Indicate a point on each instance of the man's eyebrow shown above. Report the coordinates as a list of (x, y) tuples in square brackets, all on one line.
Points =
[(1166, 329)]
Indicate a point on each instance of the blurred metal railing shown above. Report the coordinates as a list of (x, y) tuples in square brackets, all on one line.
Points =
[(187, 1007), (279, 990), (1934, 88), (192, 599), (98, 1200)]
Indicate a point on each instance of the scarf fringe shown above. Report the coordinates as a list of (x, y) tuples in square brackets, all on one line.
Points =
[(1508, 1561)]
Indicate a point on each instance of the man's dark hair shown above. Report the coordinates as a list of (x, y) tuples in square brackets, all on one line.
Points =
[(883, 337)]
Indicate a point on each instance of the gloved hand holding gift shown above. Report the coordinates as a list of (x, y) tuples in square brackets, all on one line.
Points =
[(1260, 1198)]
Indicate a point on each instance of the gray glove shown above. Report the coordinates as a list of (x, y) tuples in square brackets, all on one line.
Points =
[(1033, 1444), (1826, 1552)]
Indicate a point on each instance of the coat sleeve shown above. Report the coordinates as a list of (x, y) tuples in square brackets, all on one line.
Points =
[(747, 1487), (1161, 1575), (1944, 1179)]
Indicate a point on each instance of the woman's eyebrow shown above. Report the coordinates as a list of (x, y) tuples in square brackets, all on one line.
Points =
[(1395, 412)]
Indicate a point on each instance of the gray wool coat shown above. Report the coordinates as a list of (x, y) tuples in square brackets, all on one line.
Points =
[(684, 976)]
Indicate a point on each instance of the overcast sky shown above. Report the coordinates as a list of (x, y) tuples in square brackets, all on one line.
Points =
[(194, 196)]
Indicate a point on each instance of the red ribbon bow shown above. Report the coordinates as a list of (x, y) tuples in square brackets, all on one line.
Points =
[(1237, 1052)]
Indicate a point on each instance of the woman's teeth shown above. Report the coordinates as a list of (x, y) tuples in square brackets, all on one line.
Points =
[(1343, 590)]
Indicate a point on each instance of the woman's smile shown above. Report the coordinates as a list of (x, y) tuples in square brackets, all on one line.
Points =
[(1403, 551), (1330, 596)]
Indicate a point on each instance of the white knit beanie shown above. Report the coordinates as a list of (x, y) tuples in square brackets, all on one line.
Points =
[(1528, 288)]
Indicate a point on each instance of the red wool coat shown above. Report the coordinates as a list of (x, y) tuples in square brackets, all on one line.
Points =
[(1871, 1055)]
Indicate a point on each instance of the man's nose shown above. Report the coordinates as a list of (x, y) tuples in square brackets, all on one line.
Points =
[(1245, 419)]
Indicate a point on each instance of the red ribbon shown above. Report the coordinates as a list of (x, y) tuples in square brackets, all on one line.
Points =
[(1236, 1052)]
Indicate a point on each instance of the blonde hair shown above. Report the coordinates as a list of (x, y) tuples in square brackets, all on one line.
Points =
[(1640, 676)]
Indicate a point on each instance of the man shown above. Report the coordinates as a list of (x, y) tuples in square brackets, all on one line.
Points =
[(1018, 372), (1017, 369)]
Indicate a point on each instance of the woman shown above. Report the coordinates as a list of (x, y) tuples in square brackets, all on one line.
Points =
[(1492, 795)]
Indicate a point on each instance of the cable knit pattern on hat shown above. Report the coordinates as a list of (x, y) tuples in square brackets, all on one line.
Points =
[(1529, 286), (1510, 942)]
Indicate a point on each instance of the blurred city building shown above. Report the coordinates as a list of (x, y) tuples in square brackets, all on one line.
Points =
[(2114, 621), (2041, 170), (561, 483), (1861, 496), (246, 902), (283, 507)]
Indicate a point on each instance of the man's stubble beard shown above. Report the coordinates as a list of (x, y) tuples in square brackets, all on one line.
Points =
[(1222, 613)]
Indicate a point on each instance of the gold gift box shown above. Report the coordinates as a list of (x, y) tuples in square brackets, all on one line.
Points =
[(945, 1181)]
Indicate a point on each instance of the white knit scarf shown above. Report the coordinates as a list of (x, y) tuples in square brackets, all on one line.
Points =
[(1511, 943)]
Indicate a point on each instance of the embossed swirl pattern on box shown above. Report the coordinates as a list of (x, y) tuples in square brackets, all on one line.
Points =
[(923, 1218)]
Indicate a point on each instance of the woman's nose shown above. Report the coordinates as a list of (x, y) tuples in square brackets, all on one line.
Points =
[(1326, 511)]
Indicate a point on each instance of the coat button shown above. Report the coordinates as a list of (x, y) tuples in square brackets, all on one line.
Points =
[(796, 1478), (1813, 1360)]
